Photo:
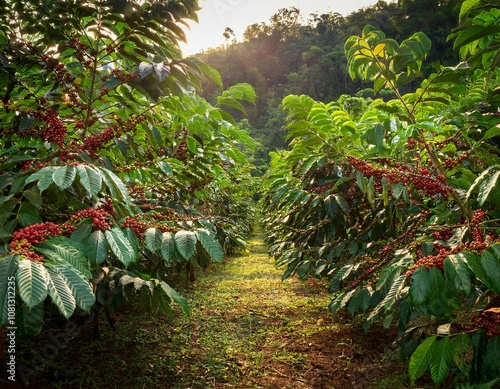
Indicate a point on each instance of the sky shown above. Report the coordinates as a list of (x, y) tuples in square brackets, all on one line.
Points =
[(216, 15)]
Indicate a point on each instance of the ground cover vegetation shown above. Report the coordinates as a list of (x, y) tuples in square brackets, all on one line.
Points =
[(118, 181), (396, 203)]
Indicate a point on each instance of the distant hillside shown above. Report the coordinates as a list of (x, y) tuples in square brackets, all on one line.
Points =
[(298, 54)]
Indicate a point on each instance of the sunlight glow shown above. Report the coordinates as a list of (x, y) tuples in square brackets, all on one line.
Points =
[(216, 15)]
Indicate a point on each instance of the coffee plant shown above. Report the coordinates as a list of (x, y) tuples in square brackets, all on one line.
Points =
[(397, 203), (115, 174)]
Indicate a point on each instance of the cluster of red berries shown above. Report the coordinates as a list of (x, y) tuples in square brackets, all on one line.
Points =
[(135, 225), (24, 249), (92, 144), (81, 51), (99, 217), (56, 130), (478, 217), (432, 260), (25, 165), (321, 189), (488, 320), (444, 234), (451, 163), (422, 179), (411, 144), (23, 240), (37, 233), (478, 244), (180, 154), (61, 74), (139, 227)]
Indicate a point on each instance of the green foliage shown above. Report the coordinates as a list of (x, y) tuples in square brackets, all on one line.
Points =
[(395, 203), (113, 168)]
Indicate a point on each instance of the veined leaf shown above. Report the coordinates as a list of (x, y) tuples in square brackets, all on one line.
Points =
[(64, 176), (115, 185), (487, 187), (153, 238), (419, 287), (440, 359), (473, 261), (420, 359), (90, 179), (97, 247), (60, 293), (491, 265), (462, 350), (210, 244), (185, 241), (120, 246), (62, 250), (31, 279), (8, 269), (173, 295), (167, 246), (43, 176), (457, 274), (80, 288)]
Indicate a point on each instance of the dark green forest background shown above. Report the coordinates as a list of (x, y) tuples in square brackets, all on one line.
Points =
[(294, 53)]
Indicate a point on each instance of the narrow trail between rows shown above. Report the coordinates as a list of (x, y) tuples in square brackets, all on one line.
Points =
[(251, 330)]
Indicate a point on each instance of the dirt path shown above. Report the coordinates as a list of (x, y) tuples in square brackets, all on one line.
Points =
[(251, 330), (248, 329)]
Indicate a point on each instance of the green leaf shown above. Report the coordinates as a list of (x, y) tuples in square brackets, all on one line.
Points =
[(492, 358), (419, 287), (462, 350), (28, 215), (173, 295), (153, 238), (185, 241), (210, 244), (97, 247), (64, 251), (31, 279), (43, 176), (115, 185), (8, 269), (30, 320), (64, 176), (420, 359), (440, 359), (120, 246), (474, 263), (487, 187), (167, 246), (34, 196), (60, 293), (457, 273), (90, 179), (491, 265), (80, 288), (473, 33)]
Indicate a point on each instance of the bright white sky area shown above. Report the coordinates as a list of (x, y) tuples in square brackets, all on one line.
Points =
[(216, 15)]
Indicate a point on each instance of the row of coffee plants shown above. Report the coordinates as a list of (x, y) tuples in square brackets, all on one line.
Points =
[(397, 203), (115, 174)]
